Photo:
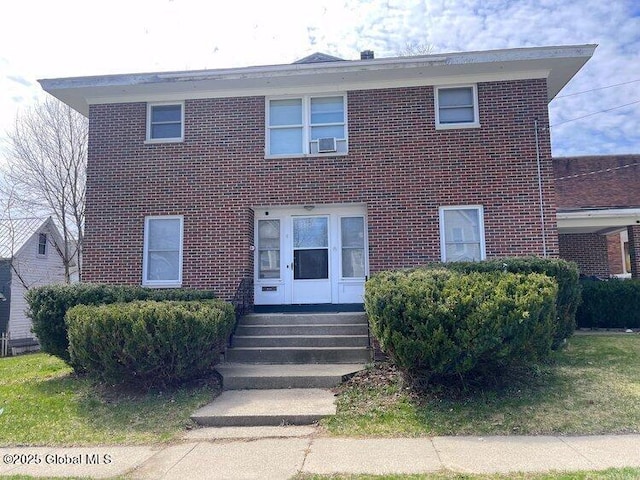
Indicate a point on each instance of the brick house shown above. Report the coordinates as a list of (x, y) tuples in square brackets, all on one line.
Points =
[(304, 179), (599, 213)]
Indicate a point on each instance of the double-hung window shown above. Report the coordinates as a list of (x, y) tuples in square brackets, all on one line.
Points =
[(42, 244), (306, 125), (162, 256), (165, 122), (457, 107), (462, 233)]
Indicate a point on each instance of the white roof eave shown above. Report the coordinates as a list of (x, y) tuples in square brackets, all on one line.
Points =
[(597, 221), (557, 64)]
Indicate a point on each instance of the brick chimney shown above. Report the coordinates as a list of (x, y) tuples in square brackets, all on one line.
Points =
[(366, 55)]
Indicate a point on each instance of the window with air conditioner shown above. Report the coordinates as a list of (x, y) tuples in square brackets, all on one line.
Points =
[(307, 125)]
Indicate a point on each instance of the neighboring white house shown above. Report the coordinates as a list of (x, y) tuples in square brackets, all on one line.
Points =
[(29, 257)]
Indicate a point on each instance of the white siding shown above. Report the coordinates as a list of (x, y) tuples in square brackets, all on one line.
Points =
[(35, 270)]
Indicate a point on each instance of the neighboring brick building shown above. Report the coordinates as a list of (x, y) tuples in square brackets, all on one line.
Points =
[(599, 212), (306, 178)]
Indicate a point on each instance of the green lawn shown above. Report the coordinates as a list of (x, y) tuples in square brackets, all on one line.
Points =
[(43, 403), (611, 474), (592, 387)]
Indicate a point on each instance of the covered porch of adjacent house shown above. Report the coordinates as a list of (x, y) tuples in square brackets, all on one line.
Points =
[(603, 242)]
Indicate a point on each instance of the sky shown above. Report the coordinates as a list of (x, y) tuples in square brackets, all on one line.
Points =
[(597, 113)]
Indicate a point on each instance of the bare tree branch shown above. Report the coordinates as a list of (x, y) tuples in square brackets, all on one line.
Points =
[(414, 48), (47, 171)]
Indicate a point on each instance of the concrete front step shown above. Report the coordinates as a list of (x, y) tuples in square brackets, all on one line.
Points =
[(298, 355), (318, 329), (301, 341), (303, 319), (239, 376), (267, 407)]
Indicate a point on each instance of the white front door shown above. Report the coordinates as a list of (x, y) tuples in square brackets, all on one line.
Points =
[(311, 282), (308, 256)]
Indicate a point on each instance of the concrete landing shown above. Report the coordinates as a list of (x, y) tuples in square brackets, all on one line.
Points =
[(238, 376), (295, 406)]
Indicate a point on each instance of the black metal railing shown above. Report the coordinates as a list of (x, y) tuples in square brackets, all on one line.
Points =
[(243, 299)]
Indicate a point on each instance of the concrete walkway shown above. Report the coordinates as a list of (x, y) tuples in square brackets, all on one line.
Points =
[(282, 452)]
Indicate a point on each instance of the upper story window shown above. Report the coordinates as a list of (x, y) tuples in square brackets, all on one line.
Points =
[(306, 125), (457, 107), (42, 244), (165, 122), (462, 233), (162, 254)]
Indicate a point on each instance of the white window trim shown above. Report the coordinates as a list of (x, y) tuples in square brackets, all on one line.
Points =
[(450, 126), (164, 140), (162, 283), (443, 246), (306, 125)]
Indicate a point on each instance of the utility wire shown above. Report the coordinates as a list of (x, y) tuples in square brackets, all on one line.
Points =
[(604, 170), (594, 113), (597, 88)]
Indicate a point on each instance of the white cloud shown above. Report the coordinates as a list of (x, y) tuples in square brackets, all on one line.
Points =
[(75, 37)]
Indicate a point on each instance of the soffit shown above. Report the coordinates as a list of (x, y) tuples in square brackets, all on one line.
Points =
[(557, 64)]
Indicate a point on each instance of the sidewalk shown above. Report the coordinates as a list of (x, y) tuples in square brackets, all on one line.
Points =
[(282, 452)]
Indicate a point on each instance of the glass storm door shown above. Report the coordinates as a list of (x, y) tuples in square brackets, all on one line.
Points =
[(311, 266)]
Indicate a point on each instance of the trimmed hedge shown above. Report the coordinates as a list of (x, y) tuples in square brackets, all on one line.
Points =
[(610, 304), (49, 304), (565, 273), (441, 324), (148, 342)]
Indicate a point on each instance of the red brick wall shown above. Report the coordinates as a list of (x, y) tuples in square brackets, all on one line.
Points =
[(634, 249), (398, 164), (614, 254), (588, 250)]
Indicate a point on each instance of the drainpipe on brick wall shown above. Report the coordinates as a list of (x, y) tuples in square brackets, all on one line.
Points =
[(544, 232)]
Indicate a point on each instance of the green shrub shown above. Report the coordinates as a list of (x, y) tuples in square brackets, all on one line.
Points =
[(49, 304), (149, 342), (611, 304), (565, 273), (441, 324)]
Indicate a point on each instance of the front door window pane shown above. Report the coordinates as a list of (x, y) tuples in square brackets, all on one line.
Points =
[(269, 248), (310, 232), (310, 248), (311, 264)]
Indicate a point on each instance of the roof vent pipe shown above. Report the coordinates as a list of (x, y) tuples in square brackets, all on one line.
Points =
[(366, 55)]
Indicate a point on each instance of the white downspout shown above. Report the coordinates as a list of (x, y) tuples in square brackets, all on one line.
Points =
[(541, 198)]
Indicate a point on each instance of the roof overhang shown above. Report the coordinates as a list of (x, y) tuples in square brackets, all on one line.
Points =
[(557, 64), (603, 221)]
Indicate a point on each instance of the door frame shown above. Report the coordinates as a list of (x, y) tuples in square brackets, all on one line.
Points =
[(280, 291)]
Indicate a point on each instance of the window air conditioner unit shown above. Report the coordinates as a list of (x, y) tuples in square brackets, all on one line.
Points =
[(327, 145)]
